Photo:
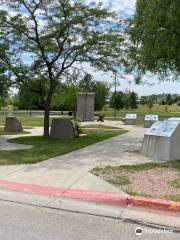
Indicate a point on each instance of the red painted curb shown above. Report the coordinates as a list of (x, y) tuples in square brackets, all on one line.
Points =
[(32, 188), (93, 196), (100, 197), (139, 201)]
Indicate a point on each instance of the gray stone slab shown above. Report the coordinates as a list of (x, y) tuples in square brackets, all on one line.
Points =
[(148, 123), (62, 128), (150, 120), (12, 124), (85, 106), (130, 119), (162, 141)]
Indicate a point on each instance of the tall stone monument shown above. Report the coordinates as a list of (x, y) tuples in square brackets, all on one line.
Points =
[(130, 119), (150, 120), (62, 128), (85, 106), (162, 141), (12, 124)]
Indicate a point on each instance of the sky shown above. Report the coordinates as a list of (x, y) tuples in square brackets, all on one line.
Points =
[(154, 86)]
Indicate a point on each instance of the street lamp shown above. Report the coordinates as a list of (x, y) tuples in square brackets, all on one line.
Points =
[(115, 92)]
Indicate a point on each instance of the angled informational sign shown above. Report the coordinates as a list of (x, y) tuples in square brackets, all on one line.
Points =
[(163, 128)]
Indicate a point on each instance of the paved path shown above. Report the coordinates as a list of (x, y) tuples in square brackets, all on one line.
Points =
[(72, 170), (5, 145)]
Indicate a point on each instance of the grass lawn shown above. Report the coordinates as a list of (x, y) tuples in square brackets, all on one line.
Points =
[(30, 120), (172, 111), (98, 126), (45, 148), (159, 180), (11, 133)]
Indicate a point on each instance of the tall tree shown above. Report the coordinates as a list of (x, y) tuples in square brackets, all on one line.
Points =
[(155, 36), (57, 36), (5, 82), (117, 100), (100, 88), (132, 100)]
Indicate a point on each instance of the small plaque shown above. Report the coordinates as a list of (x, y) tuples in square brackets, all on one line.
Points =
[(163, 128), (151, 118), (174, 119), (131, 116)]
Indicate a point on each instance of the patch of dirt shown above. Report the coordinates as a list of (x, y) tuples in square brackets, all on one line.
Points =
[(153, 182)]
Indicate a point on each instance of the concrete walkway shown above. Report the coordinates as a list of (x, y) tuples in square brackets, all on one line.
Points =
[(72, 170), (5, 145)]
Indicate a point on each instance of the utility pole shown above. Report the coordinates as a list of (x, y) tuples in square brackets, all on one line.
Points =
[(115, 91)]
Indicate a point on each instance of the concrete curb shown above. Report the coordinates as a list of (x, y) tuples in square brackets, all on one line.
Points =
[(139, 201), (92, 196)]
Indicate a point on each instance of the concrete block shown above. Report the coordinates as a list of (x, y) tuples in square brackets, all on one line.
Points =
[(150, 120), (130, 119), (62, 128), (85, 106), (162, 141), (12, 124)]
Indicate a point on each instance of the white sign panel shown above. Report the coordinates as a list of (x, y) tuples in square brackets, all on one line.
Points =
[(174, 119), (163, 128), (131, 116), (151, 118)]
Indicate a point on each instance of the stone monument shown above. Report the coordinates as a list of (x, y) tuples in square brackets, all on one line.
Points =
[(85, 106), (12, 124), (62, 128), (130, 119), (162, 141), (150, 120)]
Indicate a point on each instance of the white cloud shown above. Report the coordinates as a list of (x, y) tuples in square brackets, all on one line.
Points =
[(125, 7)]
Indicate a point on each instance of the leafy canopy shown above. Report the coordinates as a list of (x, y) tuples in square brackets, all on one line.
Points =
[(56, 36), (155, 36)]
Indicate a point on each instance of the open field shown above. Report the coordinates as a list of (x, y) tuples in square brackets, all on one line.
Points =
[(31, 120), (172, 111), (45, 148)]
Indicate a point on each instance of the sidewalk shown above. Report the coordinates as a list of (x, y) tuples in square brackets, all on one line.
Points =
[(72, 170)]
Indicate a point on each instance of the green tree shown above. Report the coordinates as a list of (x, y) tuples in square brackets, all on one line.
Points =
[(169, 99), (150, 104), (100, 88), (117, 100), (32, 95), (5, 84), (57, 36), (132, 100), (155, 36)]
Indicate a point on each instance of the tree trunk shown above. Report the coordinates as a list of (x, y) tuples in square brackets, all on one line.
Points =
[(47, 113)]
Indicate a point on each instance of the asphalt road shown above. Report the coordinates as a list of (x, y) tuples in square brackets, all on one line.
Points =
[(23, 222)]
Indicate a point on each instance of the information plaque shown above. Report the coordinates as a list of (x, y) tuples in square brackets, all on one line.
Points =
[(131, 116), (174, 119), (163, 128), (151, 118)]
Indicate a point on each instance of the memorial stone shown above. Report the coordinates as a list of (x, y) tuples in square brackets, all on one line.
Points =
[(85, 106), (162, 141), (62, 128), (12, 124), (130, 119), (150, 120)]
